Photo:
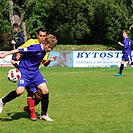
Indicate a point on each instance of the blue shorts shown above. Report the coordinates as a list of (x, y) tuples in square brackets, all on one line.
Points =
[(127, 58), (30, 79), (32, 87)]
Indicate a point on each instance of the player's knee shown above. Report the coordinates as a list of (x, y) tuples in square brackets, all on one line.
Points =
[(20, 91), (45, 91), (129, 63), (122, 62), (43, 87)]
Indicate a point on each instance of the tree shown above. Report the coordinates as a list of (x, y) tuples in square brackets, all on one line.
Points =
[(18, 9), (5, 28), (109, 19), (68, 20), (73, 22)]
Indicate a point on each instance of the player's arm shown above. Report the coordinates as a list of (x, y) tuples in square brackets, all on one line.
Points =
[(30, 49), (21, 41), (26, 44), (120, 44), (8, 53), (47, 62)]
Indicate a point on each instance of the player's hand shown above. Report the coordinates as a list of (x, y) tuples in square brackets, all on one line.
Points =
[(2, 55), (13, 42), (53, 58), (18, 55), (119, 43)]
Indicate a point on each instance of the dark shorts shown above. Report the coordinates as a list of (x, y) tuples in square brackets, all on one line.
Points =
[(32, 87), (127, 58)]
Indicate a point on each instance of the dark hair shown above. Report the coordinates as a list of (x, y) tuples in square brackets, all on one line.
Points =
[(15, 25), (125, 31), (43, 29)]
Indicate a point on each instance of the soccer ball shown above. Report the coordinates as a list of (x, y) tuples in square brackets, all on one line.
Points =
[(13, 75)]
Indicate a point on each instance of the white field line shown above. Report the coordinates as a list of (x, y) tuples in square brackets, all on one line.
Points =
[(89, 71)]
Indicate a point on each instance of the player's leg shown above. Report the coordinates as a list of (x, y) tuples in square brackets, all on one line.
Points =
[(41, 84), (44, 102), (121, 66), (36, 99), (130, 60), (30, 109), (22, 83), (45, 97), (120, 69), (11, 96), (38, 96), (32, 101)]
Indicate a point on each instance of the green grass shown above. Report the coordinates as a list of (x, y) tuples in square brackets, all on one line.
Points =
[(87, 47), (81, 47), (82, 100)]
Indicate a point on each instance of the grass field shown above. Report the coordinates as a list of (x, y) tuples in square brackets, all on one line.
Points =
[(82, 100)]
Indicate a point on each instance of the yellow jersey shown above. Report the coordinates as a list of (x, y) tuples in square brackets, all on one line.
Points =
[(29, 42), (32, 42)]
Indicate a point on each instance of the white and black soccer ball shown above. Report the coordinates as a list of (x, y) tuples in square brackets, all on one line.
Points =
[(13, 75)]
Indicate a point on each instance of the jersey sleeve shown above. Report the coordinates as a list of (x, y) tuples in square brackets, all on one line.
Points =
[(30, 49)]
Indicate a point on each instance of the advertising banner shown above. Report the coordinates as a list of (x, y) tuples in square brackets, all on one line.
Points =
[(64, 59), (97, 58), (79, 59), (6, 61)]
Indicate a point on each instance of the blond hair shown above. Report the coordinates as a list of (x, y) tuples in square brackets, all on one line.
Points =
[(51, 39)]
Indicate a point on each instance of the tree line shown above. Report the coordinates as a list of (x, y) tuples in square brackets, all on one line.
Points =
[(72, 21)]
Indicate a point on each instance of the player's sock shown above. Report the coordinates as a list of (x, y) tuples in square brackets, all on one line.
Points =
[(38, 96), (131, 63), (31, 104), (121, 68), (44, 102), (16, 65), (12, 95), (37, 102)]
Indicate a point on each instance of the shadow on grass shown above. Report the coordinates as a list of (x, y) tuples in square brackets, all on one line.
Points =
[(15, 116)]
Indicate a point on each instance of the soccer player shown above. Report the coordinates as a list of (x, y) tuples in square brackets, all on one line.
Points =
[(126, 52), (30, 73), (34, 94), (31, 90), (18, 40)]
